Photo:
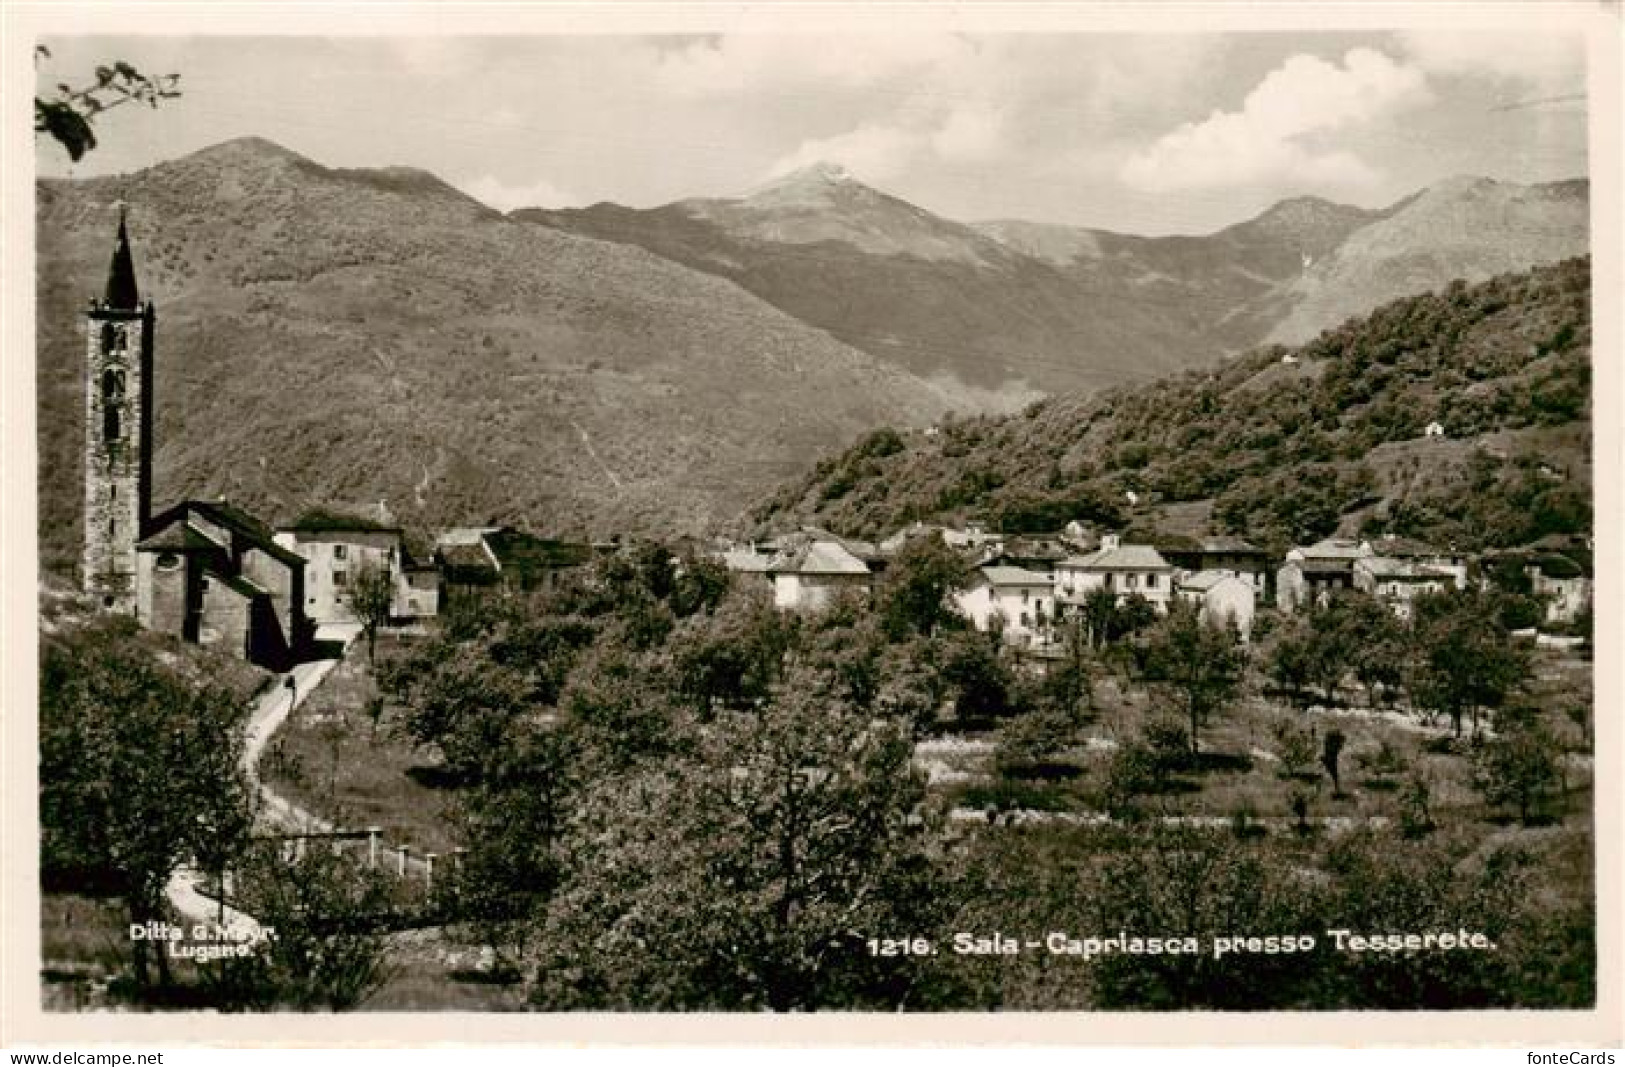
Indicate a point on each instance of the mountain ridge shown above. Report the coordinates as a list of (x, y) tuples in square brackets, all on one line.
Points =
[(335, 336), (1049, 308)]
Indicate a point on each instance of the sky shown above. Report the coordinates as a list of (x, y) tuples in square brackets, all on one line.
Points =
[(1152, 134)]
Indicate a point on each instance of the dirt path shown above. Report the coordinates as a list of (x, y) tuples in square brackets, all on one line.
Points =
[(275, 811)]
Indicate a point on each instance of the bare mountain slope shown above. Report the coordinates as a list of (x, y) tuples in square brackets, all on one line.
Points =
[(344, 337), (1467, 228), (1032, 306)]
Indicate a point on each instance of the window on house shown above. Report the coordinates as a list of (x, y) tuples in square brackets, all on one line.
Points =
[(341, 579), (1151, 581), (341, 552), (1131, 581), (111, 428)]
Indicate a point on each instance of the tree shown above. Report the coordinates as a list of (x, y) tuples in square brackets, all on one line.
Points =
[(465, 705), (68, 116), (139, 771), (1330, 751), (701, 585), (749, 874), (327, 912), (1465, 660), (917, 587), (1199, 663), (510, 823), (1295, 746), (982, 683), (1519, 767), (1370, 639), (372, 595), (1097, 613)]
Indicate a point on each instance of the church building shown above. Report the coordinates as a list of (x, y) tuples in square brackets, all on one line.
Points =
[(204, 571)]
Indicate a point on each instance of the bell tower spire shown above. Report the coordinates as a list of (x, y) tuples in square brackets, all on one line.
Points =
[(118, 430), (122, 293)]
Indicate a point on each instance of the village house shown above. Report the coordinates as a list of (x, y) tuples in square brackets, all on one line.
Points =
[(1223, 553), (475, 560), (1033, 553), (210, 573), (1422, 554), (1018, 602), (1225, 598), (1562, 583), (1122, 569), (1314, 572), (338, 550), (1398, 582), (814, 567)]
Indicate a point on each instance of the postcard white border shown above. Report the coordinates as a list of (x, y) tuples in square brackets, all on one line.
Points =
[(24, 1022)]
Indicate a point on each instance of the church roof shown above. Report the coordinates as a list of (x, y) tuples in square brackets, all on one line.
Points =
[(176, 537), (241, 523), (122, 294)]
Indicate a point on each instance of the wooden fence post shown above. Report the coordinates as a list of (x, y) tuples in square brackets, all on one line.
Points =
[(372, 847), (401, 870), (428, 869)]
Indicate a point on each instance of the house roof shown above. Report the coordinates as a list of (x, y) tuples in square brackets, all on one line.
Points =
[(320, 520), (747, 560), (867, 551), (818, 557), (1040, 548), (516, 548), (1406, 548), (1121, 558), (465, 535), (1391, 568), (474, 556), (1557, 567), (1015, 576), (1203, 581), (1326, 567), (242, 525), (1333, 548)]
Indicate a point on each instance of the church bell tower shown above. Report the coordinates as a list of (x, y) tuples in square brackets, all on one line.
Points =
[(118, 431)]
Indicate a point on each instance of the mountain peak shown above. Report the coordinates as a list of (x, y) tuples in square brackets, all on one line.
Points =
[(816, 183), (247, 149)]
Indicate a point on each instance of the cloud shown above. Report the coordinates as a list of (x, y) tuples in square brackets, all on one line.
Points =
[(969, 135), (1547, 62), (778, 62), (1282, 132), (871, 152), (504, 196), (881, 151)]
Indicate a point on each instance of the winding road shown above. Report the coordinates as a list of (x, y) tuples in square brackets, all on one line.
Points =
[(276, 812)]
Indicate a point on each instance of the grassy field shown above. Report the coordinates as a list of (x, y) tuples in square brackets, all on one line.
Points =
[(330, 758), (1240, 771)]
